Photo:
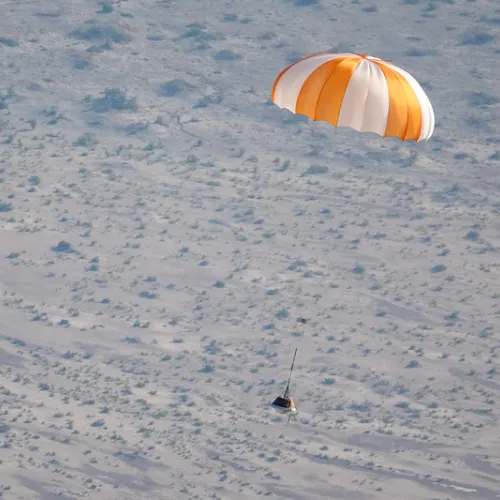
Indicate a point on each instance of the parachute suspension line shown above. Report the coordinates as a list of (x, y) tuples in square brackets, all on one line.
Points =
[(287, 390), (301, 321)]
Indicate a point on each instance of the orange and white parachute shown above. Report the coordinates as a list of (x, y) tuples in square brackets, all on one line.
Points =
[(357, 91)]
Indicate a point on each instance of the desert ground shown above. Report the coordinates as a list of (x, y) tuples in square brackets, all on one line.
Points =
[(163, 224)]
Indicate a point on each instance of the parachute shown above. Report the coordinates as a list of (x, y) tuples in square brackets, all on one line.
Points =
[(357, 91)]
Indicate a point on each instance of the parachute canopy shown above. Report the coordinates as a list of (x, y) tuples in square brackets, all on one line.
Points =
[(357, 91)]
